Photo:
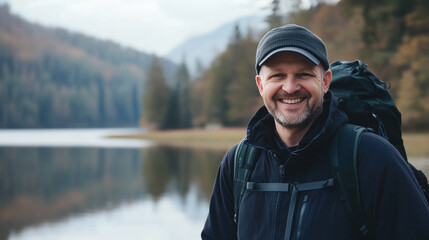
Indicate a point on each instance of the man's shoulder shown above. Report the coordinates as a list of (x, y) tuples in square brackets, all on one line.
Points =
[(373, 142), (377, 152)]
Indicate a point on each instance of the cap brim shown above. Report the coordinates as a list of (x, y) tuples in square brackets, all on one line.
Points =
[(301, 51)]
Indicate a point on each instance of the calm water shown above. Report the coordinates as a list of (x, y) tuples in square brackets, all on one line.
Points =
[(75, 184)]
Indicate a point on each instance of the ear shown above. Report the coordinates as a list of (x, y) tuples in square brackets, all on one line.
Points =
[(327, 80), (259, 84)]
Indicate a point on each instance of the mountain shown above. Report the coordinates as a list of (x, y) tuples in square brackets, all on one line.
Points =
[(50, 77), (204, 48)]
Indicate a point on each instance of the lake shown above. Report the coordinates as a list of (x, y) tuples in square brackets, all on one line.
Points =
[(76, 184)]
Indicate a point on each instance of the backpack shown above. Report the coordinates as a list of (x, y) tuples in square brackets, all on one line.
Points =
[(367, 102)]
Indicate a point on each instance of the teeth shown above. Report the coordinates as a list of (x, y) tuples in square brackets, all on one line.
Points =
[(292, 101)]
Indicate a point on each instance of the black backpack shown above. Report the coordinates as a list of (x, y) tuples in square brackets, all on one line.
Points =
[(367, 102), (369, 106)]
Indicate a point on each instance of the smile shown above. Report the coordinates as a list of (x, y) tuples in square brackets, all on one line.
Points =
[(291, 101)]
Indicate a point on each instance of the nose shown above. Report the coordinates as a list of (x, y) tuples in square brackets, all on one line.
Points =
[(290, 85)]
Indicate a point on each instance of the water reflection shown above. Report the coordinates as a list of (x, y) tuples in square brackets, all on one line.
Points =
[(152, 192), (164, 219), (176, 168), (41, 187)]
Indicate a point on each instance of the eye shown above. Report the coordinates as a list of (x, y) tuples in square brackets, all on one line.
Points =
[(304, 75), (277, 76)]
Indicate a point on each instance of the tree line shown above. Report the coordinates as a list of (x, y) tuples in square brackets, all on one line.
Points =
[(224, 95), (390, 36), (52, 78)]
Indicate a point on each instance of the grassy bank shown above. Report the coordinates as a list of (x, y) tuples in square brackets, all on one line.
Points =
[(224, 138), (416, 144), (219, 138)]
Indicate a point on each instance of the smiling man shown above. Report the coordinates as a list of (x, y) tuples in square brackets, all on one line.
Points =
[(292, 88), (292, 192)]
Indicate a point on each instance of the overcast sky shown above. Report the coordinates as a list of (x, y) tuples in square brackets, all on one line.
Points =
[(152, 26)]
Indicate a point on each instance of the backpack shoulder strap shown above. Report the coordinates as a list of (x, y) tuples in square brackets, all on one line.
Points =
[(245, 159), (343, 157)]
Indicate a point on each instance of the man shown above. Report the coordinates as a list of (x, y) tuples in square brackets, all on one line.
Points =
[(293, 130)]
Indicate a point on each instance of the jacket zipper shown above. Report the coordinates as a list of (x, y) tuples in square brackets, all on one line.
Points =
[(301, 217), (275, 215), (291, 210), (274, 155)]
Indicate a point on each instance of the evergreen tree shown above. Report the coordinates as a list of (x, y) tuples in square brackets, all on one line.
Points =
[(275, 18), (215, 104), (199, 68), (183, 95), (156, 97), (172, 117)]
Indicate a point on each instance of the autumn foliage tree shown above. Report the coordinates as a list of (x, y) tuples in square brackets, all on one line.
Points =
[(242, 94), (231, 95), (412, 59), (390, 36)]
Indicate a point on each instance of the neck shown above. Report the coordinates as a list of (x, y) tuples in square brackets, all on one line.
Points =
[(291, 136)]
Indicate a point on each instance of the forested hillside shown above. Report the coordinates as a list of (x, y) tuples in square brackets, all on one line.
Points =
[(391, 37), (55, 78)]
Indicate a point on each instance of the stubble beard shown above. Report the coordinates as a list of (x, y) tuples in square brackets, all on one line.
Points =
[(300, 121)]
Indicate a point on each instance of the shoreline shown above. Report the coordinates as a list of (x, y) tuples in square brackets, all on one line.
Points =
[(210, 138), (224, 138)]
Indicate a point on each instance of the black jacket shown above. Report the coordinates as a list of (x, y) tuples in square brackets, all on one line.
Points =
[(391, 198)]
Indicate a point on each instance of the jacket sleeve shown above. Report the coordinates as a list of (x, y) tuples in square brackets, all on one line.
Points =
[(220, 220), (391, 197)]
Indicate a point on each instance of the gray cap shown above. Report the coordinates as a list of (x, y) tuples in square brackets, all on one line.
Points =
[(292, 38)]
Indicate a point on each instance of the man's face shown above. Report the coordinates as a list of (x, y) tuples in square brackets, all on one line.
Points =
[(292, 88)]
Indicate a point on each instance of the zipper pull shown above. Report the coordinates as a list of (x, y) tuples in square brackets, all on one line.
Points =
[(282, 170)]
